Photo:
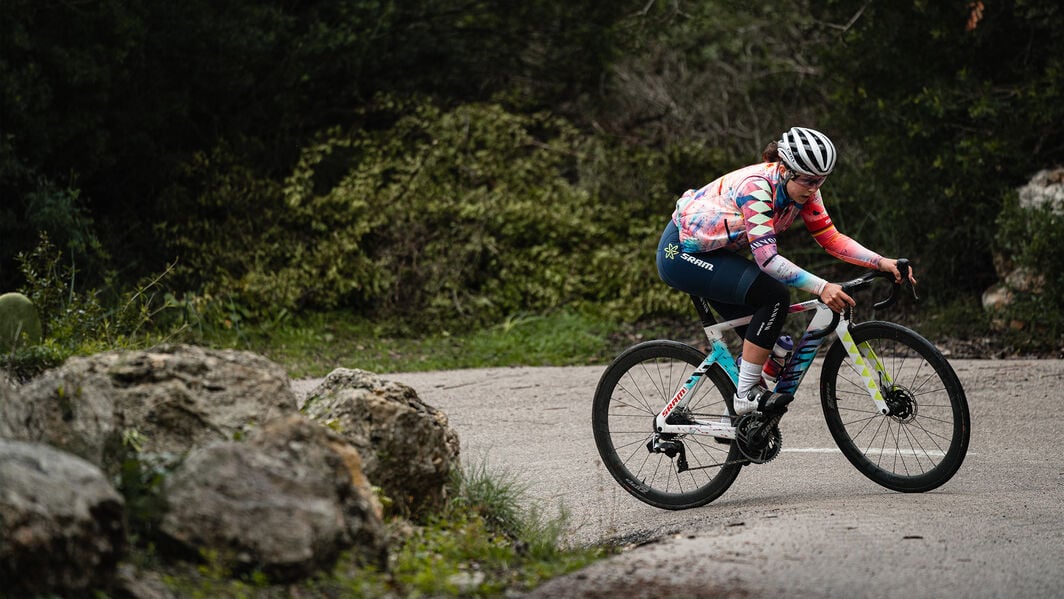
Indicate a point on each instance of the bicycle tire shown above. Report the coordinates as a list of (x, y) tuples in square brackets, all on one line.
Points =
[(630, 393), (923, 443)]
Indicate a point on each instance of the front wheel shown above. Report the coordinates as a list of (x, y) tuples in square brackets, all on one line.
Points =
[(922, 442), (630, 394)]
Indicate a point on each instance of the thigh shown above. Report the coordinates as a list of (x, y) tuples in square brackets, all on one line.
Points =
[(720, 276)]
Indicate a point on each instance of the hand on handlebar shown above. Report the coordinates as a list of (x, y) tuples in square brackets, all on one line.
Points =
[(835, 298), (890, 265)]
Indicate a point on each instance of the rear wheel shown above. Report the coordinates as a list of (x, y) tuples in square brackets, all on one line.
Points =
[(922, 442), (630, 394)]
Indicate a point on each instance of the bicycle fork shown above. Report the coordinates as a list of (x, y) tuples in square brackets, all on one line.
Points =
[(867, 365)]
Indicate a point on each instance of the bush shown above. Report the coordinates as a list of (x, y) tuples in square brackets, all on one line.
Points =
[(77, 321), (463, 217), (1030, 241)]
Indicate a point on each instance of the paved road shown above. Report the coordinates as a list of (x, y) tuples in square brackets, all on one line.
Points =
[(804, 525)]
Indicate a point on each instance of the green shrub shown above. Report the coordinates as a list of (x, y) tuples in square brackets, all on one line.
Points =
[(443, 218), (79, 321), (1032, 238)]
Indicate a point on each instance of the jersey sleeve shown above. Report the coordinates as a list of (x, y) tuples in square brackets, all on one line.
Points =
[(755, 201), (816, 219)]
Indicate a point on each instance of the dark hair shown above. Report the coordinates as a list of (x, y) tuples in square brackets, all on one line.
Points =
[(771, 153)]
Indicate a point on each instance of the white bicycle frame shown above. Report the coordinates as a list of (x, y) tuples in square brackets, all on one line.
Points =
[(866, 363)]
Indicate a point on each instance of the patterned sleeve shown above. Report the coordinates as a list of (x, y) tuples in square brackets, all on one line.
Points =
[(835, 243), (756, 203)]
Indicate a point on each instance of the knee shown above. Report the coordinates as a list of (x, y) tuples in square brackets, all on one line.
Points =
[(767, 291), (780, 293)]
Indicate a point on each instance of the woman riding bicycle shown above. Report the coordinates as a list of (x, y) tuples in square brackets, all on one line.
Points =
[(699, 251)]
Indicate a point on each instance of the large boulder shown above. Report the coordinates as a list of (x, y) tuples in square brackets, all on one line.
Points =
[(286, 502), (165, 401), (407, 447), (61, 525), (71, 408)]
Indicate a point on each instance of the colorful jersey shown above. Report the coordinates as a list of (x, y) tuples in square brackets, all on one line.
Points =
[(747, 208)]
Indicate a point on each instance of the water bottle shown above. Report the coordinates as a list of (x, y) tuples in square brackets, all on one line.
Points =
[(776, 360)]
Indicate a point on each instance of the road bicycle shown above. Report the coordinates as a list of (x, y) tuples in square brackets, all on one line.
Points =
[(666, 430)]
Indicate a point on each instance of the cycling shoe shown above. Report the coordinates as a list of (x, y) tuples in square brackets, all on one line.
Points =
[(762, 400)]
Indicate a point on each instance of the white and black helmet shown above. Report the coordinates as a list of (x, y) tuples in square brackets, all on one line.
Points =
[(807, 151)]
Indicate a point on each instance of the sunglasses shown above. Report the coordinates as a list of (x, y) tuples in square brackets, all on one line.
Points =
[(809, 180)]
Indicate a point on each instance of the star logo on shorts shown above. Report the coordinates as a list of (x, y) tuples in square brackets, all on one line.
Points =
[(671, 250)]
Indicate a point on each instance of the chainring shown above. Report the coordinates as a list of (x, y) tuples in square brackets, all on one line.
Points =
[(749, 428)]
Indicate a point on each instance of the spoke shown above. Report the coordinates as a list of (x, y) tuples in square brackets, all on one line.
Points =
[(626, 404), (638, 393), (635, 451), (932, 436), (913, 440), (866, 421), (897, 449), (875, 434), (923, 417)]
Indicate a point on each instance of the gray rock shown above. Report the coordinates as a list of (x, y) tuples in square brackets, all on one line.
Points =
[(286, 502), (167, 400), (61, 524), (1046, 188), (407, 446)]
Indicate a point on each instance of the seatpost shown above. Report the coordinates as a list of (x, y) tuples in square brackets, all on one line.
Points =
[(704, 312)]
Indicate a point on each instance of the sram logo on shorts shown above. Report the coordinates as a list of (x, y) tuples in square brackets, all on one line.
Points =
[(696, 261)]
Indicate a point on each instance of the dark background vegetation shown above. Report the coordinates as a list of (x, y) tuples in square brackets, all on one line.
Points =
[(444, 164)]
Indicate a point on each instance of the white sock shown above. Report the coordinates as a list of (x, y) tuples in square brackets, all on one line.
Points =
[(749, 377)]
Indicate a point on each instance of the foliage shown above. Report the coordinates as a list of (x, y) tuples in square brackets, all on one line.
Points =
[(941, 145), (76, 321), (464, 216), (461, 161), (731, 76), (1031, 240), (110, 98), (315, 344)]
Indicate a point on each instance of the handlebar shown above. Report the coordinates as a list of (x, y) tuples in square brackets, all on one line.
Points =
[(903, 267), (850, 286)]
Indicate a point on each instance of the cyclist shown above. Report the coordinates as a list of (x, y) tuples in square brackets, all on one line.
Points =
[(699, 251)]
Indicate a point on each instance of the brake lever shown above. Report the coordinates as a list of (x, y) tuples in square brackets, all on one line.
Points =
[(904, 268)]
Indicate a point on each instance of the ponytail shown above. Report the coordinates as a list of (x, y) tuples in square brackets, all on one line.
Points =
[(771, 153)]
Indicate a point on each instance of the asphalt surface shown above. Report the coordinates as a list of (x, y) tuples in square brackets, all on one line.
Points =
[(804, 525)]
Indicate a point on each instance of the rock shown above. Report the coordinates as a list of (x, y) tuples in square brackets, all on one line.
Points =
[(61, 524), (132, 582), (407, 447), (286, 502), (1046, 188), (71, 408), (18, 321), (166, 401)]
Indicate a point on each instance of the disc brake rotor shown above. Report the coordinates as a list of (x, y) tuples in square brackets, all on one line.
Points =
[(902, 404)]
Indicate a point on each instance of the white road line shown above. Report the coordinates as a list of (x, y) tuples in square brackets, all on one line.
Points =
[(888, 451)]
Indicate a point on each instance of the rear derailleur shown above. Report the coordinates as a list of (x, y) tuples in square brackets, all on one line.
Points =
[(671, 447)]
